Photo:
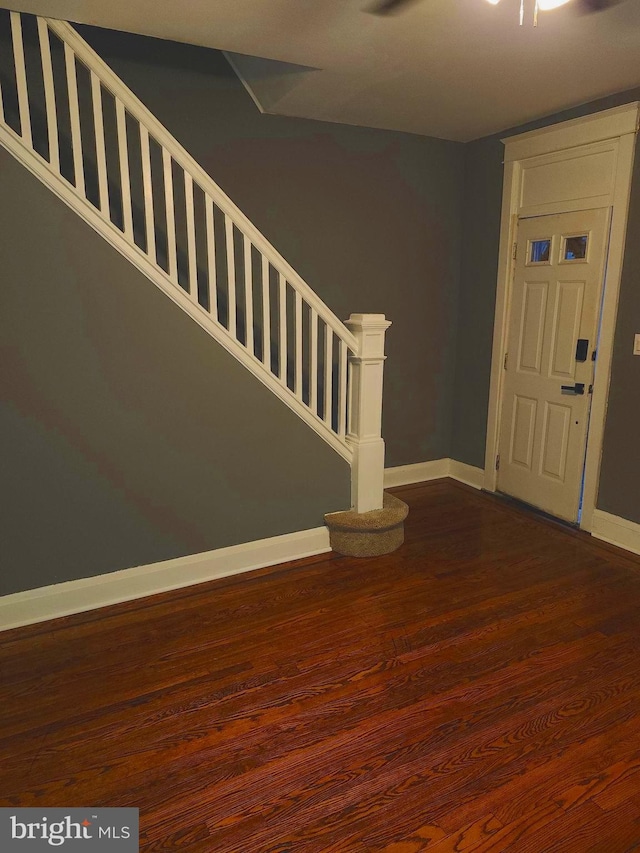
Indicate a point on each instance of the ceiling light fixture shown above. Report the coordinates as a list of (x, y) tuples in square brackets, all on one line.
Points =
[(545, 5), (540, 5)]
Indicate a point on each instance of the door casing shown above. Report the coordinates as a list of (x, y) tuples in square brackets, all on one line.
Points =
[(576, 165)]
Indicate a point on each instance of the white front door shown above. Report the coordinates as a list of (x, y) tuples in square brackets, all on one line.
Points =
[(552, 335)]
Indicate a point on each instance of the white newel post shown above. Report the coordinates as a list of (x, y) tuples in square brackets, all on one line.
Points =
[(365, 408)]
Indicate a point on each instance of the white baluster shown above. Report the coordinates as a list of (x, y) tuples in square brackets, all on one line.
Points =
[(282, 324), (74, 118), (231, 273), (328, 377), (266, 315), (147, 188), (313, 363), (125, 179), (298, 352), (49, 94), (21, 79), (364, 436), (342, 390), (101, 154), (191, 236), (248, 294), (170, 213), (211, 257)]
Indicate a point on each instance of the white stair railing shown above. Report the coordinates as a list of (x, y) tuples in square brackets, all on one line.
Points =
[(73, 123)]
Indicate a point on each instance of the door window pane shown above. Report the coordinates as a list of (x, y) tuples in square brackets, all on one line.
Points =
[(539, 251), (575, 248)]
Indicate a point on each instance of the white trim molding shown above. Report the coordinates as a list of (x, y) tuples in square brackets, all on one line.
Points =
[(419, 472), (615, 530), (436, 469), (596, 127), (64, 599), (610, 134), (468, 474)]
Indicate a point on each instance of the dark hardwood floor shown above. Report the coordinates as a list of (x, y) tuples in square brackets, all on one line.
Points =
[(478, 690)]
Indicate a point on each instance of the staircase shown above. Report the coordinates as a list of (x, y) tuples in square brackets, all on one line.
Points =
[(75, 125)]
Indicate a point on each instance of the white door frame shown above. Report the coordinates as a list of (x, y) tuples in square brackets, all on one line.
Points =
[(595, 152)]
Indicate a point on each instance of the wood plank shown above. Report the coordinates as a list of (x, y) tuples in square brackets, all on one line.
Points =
[(468, 837)]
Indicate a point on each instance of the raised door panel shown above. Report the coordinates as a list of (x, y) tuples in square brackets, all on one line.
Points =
[(523, 432), (534, 307), (567, 316), (555, 441)]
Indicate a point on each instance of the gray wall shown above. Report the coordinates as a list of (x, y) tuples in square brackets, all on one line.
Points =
[(479, 264), (620, 473), (483, 193), (370, 218), (128, 434)]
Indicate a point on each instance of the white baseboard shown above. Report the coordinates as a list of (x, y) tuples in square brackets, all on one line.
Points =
[(615, 530), (406, 475), (63, 599), (468, 474)]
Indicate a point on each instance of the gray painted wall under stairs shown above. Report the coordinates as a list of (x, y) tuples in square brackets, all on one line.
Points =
[(129, 435)]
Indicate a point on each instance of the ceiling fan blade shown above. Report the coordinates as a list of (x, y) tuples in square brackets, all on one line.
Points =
[(587, 6), (390, 7)]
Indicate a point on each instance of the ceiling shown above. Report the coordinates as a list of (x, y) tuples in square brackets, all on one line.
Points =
[(455, 69)]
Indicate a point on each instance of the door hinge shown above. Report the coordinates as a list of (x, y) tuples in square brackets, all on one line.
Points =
[(498, 462), (594, 355), (514, 254), (506, 359)]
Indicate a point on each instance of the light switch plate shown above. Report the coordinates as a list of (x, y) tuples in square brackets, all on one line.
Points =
[(636, 344)]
